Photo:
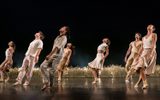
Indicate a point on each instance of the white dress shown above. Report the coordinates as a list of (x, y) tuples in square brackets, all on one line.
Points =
[(8, 60), (97, 63)]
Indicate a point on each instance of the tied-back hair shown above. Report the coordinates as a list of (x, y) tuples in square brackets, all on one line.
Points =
[(108, 42), (72, 49), (12, 44), (139, 34), (72, 46), (67, 29), (151, 25), (68, 32)]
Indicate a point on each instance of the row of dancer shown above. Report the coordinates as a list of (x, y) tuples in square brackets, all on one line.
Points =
[(56, 60), (142, 58)]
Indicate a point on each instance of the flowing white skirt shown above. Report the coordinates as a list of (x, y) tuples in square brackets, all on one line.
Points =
[(97, 63), (147, 60)]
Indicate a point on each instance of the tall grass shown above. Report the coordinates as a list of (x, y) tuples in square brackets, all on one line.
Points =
[(108, 71)]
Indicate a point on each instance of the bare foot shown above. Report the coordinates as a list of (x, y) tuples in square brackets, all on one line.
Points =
[(95, 81), (45, 86)]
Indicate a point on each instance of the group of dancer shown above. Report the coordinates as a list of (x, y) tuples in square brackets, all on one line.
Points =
[(140, 57)]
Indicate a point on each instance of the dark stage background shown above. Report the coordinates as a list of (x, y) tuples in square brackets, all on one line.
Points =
[(89, 21)]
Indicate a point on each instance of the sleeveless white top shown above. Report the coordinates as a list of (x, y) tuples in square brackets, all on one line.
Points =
[(102, 47), (8, 54), (147, 42)]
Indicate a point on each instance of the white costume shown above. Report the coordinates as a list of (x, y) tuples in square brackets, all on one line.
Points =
[(97, 63), (28, 62)]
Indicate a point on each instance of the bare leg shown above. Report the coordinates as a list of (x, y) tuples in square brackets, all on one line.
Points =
[(143, 76), (59, 75), (94, 73), (129, 74), (66, 70), (2, 76), (98, 75), (7, 77), (138, 82), (128, 64), (6, 72)]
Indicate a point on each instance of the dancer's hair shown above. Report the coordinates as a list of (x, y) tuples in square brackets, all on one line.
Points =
[(41, 35), (12, 44)]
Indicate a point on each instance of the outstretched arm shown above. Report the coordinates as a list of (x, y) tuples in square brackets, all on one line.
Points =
[(128, 52)]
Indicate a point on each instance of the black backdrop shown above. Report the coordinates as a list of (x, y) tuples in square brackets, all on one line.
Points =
[(89, 21)]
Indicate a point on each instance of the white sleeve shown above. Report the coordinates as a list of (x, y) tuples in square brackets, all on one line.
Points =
[(40, 44)]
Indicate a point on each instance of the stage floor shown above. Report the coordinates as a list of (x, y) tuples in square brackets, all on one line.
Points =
[(81, 89)]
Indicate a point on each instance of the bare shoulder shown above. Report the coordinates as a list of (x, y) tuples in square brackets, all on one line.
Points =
[(155, 34), (131, 43), (65, 49), (69, 50)]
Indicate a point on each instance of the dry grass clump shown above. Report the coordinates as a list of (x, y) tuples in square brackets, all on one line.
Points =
[(157, 71), (113, 71), (107, 71)]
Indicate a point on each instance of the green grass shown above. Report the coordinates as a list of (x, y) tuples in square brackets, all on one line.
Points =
[(108, 71)]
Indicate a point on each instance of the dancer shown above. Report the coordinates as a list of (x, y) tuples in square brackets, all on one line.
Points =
[(147, 61), (30, 59), (64, 60), (133, 52), (97, 63), (49, 65), (8, 62)]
